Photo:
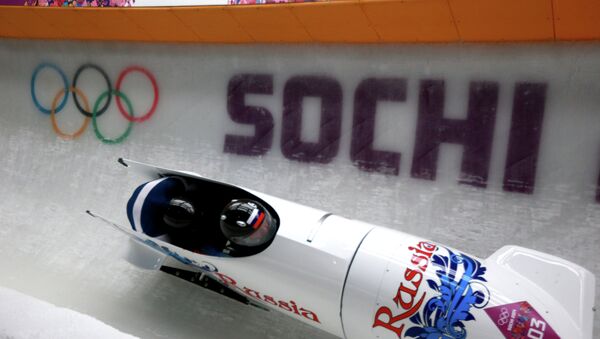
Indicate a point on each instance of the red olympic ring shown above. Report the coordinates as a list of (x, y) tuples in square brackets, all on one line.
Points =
[(149, 75)]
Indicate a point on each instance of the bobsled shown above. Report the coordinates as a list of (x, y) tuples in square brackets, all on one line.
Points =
[(350, 278)]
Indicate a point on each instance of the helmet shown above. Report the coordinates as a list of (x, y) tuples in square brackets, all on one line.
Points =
[(246, 222), (179, 213), (157, 206)]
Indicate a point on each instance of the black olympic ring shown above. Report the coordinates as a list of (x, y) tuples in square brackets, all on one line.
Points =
[(97, 111), (105, 76)]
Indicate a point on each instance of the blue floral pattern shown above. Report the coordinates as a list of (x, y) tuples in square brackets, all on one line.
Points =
[(444, 315)]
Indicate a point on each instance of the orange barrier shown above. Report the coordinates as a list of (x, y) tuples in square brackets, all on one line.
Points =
[(356, 21)]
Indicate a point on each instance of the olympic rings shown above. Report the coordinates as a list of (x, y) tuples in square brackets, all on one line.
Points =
[(86, 121), (504, 316), (97, 111), (154, 87), (95, 116)]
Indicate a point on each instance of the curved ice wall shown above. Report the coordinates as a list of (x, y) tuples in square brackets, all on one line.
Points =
[(476, 146)]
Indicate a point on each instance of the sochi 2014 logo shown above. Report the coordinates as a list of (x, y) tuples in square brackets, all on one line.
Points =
[(100, 104)]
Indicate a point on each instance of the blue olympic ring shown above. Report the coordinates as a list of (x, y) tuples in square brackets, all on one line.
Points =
[(65, 82)]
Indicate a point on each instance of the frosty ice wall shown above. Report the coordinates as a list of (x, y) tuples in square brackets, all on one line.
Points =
[(475, 133), (394, 116), (475, 146)]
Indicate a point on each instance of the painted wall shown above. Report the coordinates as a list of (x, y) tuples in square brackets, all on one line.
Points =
[(475, 146), (152, 3)]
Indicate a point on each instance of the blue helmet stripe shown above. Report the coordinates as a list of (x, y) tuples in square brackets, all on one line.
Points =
[(130, 204)]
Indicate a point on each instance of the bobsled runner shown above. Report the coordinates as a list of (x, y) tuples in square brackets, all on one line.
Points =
[(349, 278)]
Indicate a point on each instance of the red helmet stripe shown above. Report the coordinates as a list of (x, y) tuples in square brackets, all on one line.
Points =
[(259, 221)]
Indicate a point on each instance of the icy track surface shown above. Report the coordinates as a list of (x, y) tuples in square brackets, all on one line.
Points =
[(22, 316), (50, 249)]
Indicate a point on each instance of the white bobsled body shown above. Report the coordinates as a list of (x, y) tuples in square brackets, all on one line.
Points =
[(360, 281), (301, 274), (401, 286)]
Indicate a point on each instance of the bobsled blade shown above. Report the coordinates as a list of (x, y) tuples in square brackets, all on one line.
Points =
[(128, 231), (156, 172), (143, 254), (155, 244), (208, 282), (139, 253), (182, 255), (141, 237)]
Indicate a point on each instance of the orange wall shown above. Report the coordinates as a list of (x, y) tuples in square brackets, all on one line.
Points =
[(356, 21)]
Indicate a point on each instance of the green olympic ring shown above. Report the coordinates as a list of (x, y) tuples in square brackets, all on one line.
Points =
[(99, 134)]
